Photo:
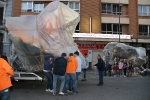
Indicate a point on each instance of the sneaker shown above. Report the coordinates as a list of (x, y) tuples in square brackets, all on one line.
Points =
[(49, 90), (83, 79), (65, 93), (76, 92), (61, 93), (54, 93), (69, 91), (98, 84)]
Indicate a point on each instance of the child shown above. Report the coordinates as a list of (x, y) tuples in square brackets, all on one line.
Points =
[(120, 66), (115, 68)]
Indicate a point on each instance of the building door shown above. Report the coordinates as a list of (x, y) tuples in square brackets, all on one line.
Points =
[(94, 55), (1, 43)]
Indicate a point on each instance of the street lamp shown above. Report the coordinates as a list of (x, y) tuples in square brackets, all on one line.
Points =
[(120, 5)]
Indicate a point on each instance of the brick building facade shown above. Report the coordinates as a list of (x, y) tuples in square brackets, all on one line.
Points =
[(129, 18), (101, 17)]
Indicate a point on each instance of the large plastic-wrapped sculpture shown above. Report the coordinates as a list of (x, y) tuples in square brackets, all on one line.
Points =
[(47, 34), (122, 51)]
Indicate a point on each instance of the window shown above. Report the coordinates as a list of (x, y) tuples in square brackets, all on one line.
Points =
[(111, 9), (31, 6), (144, 10), (71, 5), (144, 30), (140, 10), (111, 29), (77, 30), (106, 8), (74, 5), (27, 6), (38, 7), (65, 2), (116, 9), (77, 5)]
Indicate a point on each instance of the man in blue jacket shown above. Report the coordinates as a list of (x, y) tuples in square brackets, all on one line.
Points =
[(101, 67), (47, 70), (59, 72)]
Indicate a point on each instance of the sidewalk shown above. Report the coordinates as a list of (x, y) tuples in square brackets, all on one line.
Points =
[(91, 71), (114, 88)]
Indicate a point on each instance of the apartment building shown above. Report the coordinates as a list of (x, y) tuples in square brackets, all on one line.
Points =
[(5, 11), (101, 17)]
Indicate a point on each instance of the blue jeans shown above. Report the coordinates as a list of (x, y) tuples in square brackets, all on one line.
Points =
[(70, 85), (120, 71), (5, 94), (74, 82), (101, 74), (55, 78), (77, 75), (84, 73), (96, 71), (49, 79)]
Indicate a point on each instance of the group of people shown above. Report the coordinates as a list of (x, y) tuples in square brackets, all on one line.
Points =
[(121, 68), (65, 70), (68, 71)]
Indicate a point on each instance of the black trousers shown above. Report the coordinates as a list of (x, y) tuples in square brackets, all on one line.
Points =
[(125, 71)]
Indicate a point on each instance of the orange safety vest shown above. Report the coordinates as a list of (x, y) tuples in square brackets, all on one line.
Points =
[(5, 73), (72, 65)]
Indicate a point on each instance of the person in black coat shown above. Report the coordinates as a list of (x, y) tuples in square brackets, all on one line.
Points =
[(101, 68), (59, 73)]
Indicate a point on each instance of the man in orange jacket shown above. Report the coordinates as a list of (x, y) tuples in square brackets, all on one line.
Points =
[(72, 65), (5, 82)]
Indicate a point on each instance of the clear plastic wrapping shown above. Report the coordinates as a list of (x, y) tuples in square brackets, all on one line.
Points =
[(47, 34), (123, 51)]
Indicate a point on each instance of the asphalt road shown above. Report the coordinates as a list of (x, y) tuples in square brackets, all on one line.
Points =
[(114, 88)]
